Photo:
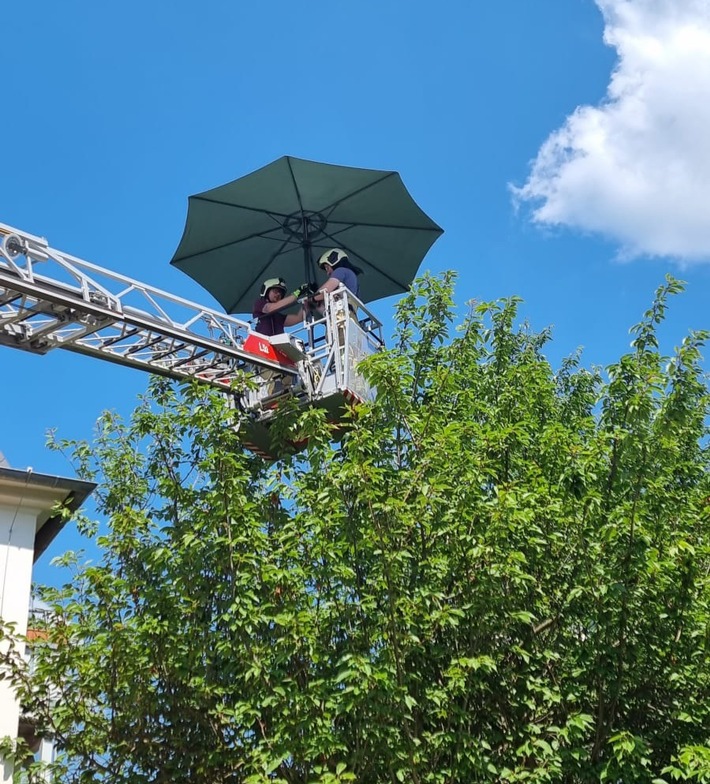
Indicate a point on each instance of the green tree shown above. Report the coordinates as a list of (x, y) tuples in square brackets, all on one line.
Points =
[(499, 573)]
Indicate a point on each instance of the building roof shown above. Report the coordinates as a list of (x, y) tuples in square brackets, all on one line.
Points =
[(70, 493)]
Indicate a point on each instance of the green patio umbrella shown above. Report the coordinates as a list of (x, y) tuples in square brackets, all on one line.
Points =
[(277, 221)]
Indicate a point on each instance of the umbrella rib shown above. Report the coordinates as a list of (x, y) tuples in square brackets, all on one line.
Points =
[(403, 286), (349, 225), (263, 211), (256, 277), (335, 204), (264, 234), (275, 216), (295, 184)]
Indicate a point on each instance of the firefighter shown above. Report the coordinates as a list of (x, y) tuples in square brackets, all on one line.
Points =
[(272, 301)]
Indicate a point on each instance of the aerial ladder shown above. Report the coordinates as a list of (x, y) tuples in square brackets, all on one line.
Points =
[(49, 299)]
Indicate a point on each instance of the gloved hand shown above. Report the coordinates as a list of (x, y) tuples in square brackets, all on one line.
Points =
[(305, 289)]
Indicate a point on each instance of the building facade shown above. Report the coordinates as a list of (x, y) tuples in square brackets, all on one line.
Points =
[(30, 519)]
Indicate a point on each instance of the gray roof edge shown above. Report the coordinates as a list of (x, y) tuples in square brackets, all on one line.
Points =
[(79, 487), (77, 491)]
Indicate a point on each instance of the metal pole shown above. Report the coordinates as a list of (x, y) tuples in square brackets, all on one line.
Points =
[(307, 266)]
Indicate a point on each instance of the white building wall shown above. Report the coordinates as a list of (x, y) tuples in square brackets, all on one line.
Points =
[(26, 502), (17, 533)]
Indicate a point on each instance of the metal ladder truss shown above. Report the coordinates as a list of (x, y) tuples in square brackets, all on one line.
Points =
[(49, 299)]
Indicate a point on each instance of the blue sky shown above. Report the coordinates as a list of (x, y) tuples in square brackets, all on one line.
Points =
[(561, 144)]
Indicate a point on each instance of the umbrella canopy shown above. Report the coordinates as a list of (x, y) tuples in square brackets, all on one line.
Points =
[(277, 221)]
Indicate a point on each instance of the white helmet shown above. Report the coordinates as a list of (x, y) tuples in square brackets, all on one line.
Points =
[(333, 257), (273, 283)]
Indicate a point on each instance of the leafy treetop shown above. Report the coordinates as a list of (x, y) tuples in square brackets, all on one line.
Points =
[(499, 573)]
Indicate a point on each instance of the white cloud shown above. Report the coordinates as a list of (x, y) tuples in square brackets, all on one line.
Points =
[(636, 168)]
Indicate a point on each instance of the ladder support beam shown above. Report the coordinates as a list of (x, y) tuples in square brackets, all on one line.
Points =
[(49, 300)]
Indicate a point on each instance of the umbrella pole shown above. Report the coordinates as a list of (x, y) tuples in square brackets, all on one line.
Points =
[(306, 242), (309, 277), (307, 266)]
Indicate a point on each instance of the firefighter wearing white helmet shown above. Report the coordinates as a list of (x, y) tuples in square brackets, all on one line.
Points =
[(333, 257), (336, 265), (272, 301)]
